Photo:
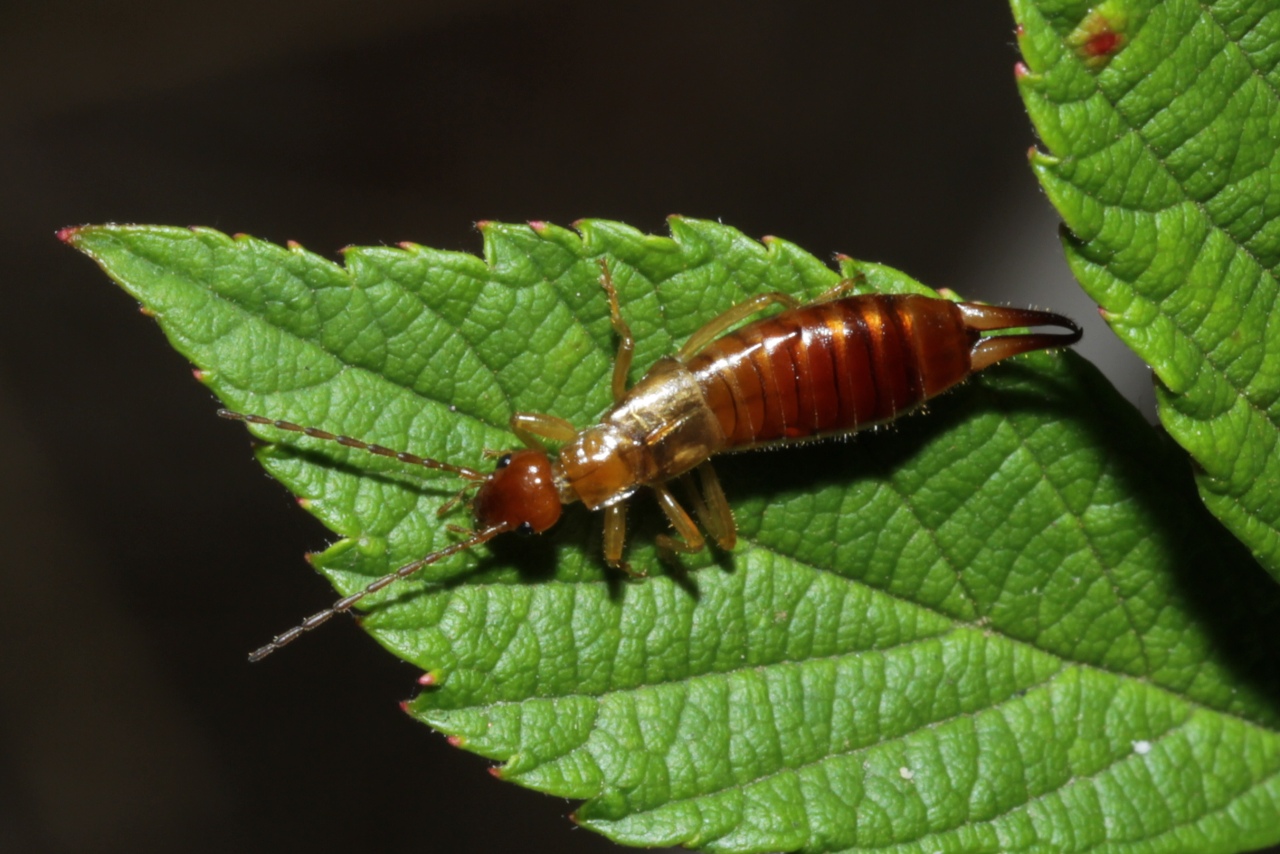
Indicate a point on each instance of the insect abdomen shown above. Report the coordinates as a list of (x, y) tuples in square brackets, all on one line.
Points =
[(832, 367)]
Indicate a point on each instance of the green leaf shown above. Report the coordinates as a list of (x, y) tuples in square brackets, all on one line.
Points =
[(1004, 626), (1163, 123)]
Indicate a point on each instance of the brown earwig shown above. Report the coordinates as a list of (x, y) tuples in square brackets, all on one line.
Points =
[(823, 369)]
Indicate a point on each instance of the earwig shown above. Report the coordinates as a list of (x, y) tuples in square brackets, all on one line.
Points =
[(823, 369)]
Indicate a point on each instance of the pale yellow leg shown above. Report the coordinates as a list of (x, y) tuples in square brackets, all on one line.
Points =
[(713, 509), (626, 342), (688, 538), (841, 288), (615, 535), (528, 426), (722, 324)]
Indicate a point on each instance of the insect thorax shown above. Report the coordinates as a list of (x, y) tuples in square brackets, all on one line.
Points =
[(660, 430)]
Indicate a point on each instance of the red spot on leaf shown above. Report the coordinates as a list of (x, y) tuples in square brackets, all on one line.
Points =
[(456, 740), (1103, 44), (1019, 31), (1021, 71), (1098, 38)]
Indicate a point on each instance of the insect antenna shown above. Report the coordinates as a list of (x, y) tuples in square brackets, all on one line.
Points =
[(345, 604), (349, 442)]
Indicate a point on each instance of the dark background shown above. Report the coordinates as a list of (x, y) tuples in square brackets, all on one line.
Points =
[(145, 552)]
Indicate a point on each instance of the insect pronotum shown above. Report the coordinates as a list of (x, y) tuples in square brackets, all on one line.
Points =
[(825, 368)]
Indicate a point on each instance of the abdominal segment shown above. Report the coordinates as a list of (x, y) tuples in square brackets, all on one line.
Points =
[(832, 367)]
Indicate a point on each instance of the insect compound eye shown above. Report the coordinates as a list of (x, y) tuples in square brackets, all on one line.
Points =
[(504, 461), (525, 529)]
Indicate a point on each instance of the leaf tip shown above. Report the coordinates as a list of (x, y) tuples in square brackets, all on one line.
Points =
[(540, 227), (68, 234), (304, 503), (428, 679), (456, 741), (293, 246), (495, 771), (146, 311), (406, 706), (1021, 72), (409, 246), (201, 376), (1036, 157)]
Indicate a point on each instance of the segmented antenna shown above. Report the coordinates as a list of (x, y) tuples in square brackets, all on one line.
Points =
[(349, 442), (345, 604)]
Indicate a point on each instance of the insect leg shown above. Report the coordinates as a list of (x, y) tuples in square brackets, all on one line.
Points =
[(713, 508), (688, 539), (626, 341), (615, 535), (841, 288), (528, 426), (720, 325)]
